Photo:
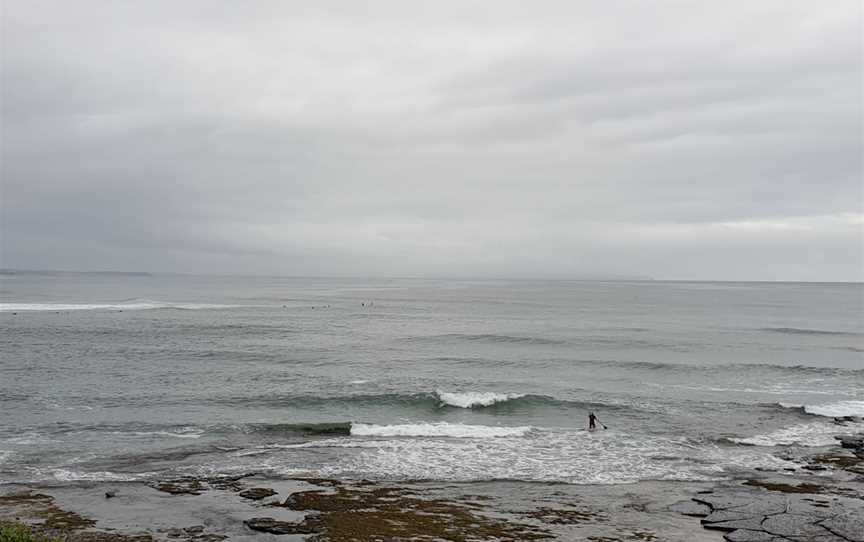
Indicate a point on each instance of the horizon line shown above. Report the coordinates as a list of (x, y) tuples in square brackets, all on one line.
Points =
[(585, 278)]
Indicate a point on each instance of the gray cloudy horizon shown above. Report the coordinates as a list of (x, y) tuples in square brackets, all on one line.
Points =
[(673, 139)]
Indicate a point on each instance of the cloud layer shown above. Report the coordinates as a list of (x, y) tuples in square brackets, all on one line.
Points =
[(558, 139)]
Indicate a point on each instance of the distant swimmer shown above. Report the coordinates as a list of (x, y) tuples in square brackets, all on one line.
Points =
[(592, 421)]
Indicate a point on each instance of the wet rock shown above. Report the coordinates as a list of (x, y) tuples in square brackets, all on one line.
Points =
[(227, 483), (195, 529), (257, 493), (725, 500), (691, 508), (720, 516), (752, 523), (752, 536), (361, 512), (794, 526), (179, 487), (41, 507), (782, 486), (818, 508), (274, 526), (558, 516), (854, 443), (843, 420), (325, 482), (194, 486), (782, 511), (848, 525)]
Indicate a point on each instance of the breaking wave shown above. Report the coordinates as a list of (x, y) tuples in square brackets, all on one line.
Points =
[(831, 410), (804, 434), (441, 429), (473, 399)]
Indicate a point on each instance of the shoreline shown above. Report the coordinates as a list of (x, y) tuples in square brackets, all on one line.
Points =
[(823, 501)]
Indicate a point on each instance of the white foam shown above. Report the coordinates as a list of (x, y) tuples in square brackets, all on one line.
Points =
[(839, 409), (246, 453), (171, 434), (475, 398), (187, 433), (442, 429), (804, 434), (552, 455), (65, 475), (58, 406), (142, 304), (30, 438)]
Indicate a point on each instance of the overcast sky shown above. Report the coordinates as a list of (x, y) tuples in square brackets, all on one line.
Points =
[(671, 139)]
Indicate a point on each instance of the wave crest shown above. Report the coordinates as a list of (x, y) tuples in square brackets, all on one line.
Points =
[(474, 399)]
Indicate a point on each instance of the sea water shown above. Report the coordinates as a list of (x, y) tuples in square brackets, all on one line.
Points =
[(140, 377)]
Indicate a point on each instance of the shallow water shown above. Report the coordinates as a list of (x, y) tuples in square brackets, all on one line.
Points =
[(121, 377)]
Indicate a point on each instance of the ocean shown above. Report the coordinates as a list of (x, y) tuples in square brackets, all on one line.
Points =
[(146, 377)]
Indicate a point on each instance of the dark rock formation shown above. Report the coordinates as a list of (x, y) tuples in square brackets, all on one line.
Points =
[(274, 526), (781, 512), (368, 512), (854, 443), (194, 486), (179, 487), (257, 493)]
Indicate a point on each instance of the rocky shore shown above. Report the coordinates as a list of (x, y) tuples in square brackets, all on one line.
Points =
[(821, 502)]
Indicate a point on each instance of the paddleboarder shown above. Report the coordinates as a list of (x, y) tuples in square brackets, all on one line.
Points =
[(592, 421)]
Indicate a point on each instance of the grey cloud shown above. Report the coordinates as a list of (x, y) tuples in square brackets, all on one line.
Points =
[(674, 139)]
